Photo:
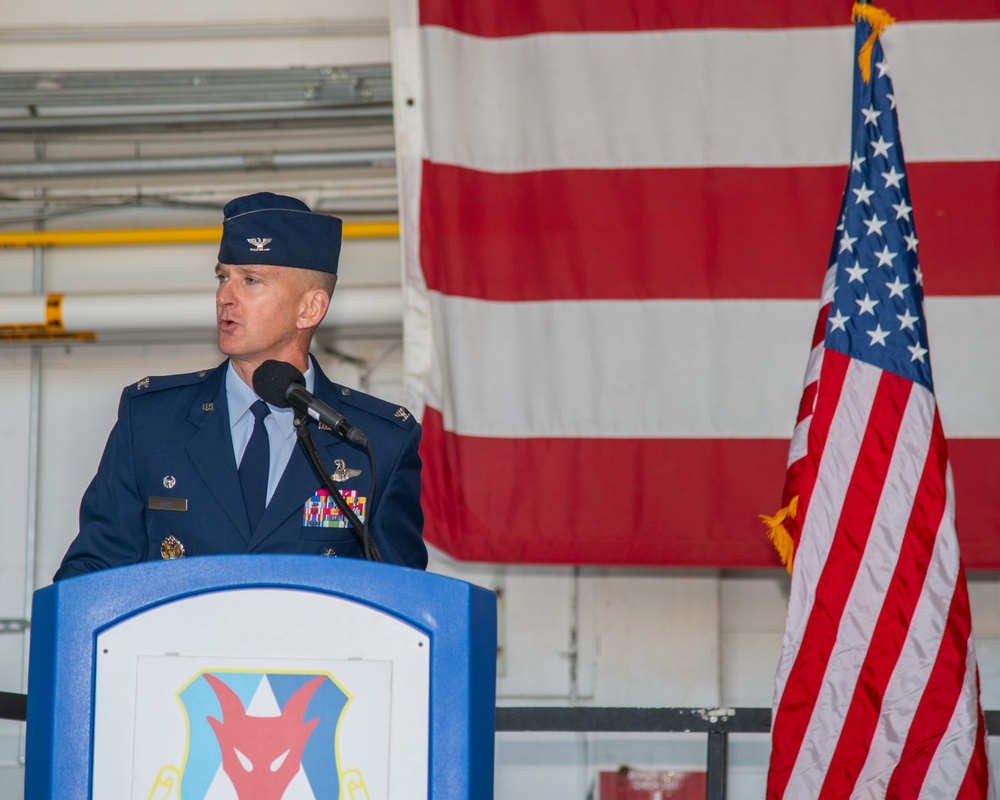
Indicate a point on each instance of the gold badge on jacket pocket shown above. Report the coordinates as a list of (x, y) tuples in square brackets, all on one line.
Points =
[(171, 548)]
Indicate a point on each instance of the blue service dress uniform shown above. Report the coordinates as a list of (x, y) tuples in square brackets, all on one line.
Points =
[(168, 470)]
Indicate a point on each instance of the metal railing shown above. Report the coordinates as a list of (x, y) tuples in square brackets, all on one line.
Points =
[(716, 723), (13, 706)]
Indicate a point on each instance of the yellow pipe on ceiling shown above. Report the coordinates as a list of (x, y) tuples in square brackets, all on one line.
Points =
[(105, 238)]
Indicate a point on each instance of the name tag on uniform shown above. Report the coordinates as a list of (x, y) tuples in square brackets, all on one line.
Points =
[(168, 503)]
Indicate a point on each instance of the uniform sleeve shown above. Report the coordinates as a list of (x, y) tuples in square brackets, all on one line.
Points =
[(398, 520), (112, 511)]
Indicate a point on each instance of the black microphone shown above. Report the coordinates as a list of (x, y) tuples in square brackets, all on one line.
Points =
[(282, 385)]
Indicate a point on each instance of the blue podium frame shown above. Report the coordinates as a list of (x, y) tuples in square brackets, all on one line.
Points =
[(457, 617)]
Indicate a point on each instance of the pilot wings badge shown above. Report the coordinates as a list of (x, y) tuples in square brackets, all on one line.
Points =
[(260, 245), (342, 472)]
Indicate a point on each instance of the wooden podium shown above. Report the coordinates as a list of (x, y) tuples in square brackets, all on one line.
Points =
[(261, 678)]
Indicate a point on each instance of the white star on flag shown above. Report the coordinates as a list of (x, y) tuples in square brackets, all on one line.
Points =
[(896, 287), (863, 194), (880, 148), (867, 305), (878, 336), (906, 320), (892, 178)]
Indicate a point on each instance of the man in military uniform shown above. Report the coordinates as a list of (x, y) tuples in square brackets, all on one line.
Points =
[(198, 464)]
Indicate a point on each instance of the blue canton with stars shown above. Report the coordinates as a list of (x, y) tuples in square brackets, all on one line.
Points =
[(877, 308)]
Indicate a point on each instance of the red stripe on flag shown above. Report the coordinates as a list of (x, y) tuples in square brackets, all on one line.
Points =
[(808, 398), (682, 502), (463, 489), (891, 629), (705, 233), (822, 320), (801, 475), (680, 516), (942, 208), (838, 575), (807, 401), (977, 485), (977, 776), (937, 705), (520, 17)]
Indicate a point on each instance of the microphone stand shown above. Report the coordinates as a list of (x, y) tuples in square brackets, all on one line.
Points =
[(358, 528)]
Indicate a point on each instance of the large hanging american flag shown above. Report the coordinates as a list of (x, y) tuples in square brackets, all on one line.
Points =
[(877, 691), (613, 216)]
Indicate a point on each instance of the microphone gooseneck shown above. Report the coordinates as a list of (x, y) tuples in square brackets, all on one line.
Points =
[(282, 385)]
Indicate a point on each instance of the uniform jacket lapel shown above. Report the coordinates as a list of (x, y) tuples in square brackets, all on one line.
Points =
[(211, 449)]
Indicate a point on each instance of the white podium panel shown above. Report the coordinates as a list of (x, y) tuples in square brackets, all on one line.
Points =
[(220, 694)]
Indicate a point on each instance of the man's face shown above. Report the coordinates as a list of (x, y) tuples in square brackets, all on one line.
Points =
[(257, 311)]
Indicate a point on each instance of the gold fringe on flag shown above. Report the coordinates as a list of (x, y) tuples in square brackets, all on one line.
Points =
[(778, 533), (879, 19)]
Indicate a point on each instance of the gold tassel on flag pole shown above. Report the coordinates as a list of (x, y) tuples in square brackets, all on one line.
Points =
[(778, 533), (879, 19)]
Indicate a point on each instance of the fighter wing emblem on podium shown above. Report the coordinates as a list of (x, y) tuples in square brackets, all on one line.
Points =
[(259, 735)]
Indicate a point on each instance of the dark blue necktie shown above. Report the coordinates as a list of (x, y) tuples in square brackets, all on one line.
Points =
[(254, 466)]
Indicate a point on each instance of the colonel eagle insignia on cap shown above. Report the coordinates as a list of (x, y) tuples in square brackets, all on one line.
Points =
[(259, 245)]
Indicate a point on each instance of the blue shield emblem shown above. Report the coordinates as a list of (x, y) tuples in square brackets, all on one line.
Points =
[(260, 733)]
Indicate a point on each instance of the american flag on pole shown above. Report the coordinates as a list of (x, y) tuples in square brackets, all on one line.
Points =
[(877, 691), (612, 217)]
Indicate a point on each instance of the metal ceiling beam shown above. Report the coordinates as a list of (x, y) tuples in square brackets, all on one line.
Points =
[(227, 30), (39, 103), (179, 165), (368, 115), (149, 87)]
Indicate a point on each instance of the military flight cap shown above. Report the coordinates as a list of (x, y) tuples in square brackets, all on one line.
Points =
[(274, 229)]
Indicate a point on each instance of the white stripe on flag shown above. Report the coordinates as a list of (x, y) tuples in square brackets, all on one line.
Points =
[(668, 368), (556, 101), (800, 437), (864, 602), (951, 760), (905, 688), (616, 369), (832, 482)]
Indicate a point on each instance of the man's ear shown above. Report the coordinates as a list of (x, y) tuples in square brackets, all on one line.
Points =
[(315, 304)]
